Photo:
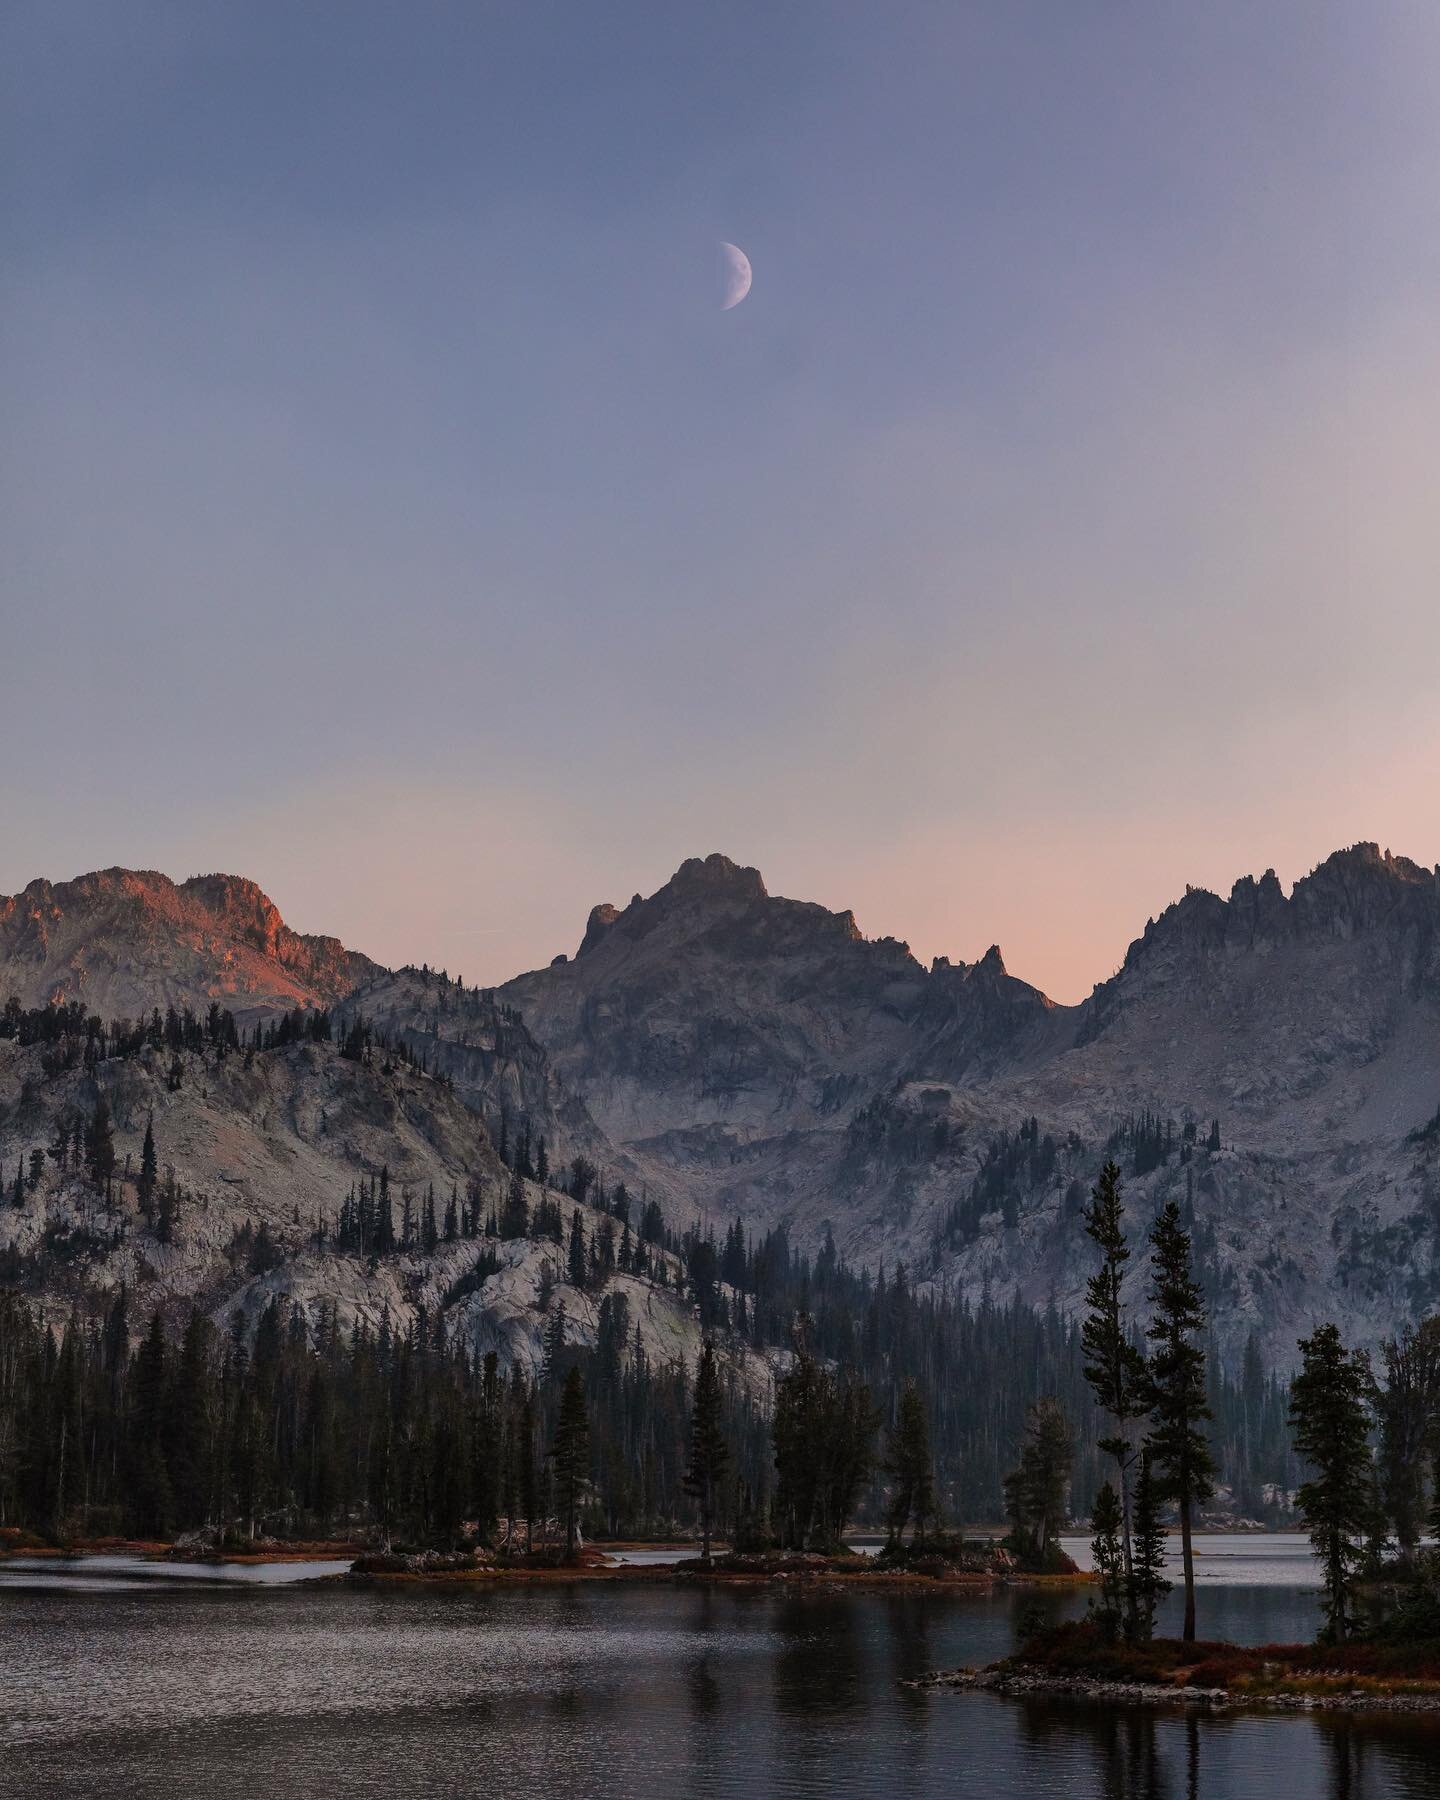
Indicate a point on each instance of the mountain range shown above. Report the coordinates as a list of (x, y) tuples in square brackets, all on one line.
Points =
[(1272, 1060)]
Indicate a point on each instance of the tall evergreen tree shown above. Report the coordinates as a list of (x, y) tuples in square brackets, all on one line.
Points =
[(577, 1264), (1036, 1492), (1330, 1412), (384, 1244), (1408, 1406), (149, 1470), (100, 1144), (1114, 1366), (709, 1452), (569, 1452), (1149, 1548), (515, 1215), (527, 1476), (1179, 1407), (149, 1172), (190, 1424), (1108, 1555), (911, 1468)]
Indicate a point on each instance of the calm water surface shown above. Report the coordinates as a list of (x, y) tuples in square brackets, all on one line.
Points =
[(117, 1683)]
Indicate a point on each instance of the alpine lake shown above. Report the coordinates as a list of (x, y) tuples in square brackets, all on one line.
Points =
[(125, 1677)]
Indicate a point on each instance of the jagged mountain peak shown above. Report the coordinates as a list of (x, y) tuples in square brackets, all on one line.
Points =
[(242, 906), (704, 882), (724, 901), (1353, 892), (122, 941), (715, 875)]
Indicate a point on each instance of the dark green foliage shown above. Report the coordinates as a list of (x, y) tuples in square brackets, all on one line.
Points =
[(1014, 1164), (1109, 1557), (1178, 1445), (515, 1216), (100, 1144), (911, 1468), (1149, 1582), (1408, 1406), (1037, 1492), (576, 1264), (149, 1172), (709, 1452), (1114, 1366), (1330, 1410), (1149, 1138), (824, 1436), (150, 1487), (569, 1453)]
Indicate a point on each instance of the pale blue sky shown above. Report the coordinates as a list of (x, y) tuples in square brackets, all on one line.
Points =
[(390, 513)]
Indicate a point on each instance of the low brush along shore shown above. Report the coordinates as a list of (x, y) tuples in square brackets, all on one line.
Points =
[(974, 1568), (1079, 1661)]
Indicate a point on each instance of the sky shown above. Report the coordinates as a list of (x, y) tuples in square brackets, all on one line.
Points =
[(389, 511)]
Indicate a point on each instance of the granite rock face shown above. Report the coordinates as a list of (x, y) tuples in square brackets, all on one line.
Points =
[(123, 941), (758, 1056), (1271, 1060)]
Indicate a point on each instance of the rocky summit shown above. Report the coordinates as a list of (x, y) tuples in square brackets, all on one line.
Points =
[(1271, 1060)]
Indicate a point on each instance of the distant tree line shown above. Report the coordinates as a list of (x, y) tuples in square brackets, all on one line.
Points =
[(894, 1402)]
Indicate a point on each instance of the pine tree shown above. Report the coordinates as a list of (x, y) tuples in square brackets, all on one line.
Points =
[(909, 1465), (100, 1144), (485, 1441), (709, 1452), (1109, 1558), (384, 1242), (577, 1263), (510, 1459), (1036, 1492), (1329, 1413), (526, 1475), (1179, 1408), (149, 1472), (149, 1172), (515, 1217), (1408, 1406), (569, 1452), (553, 1353), (189, 1449), (1114, 1367), (1149, 1548)]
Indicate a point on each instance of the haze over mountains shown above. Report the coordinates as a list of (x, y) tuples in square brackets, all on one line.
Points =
[(1272, 1060)]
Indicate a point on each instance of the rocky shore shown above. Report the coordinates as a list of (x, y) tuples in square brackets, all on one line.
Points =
[(802, 1569), (1020, 1682), (1079, 1662)]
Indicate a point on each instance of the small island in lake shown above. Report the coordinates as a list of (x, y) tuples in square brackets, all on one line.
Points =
[(1079, 1659), (945, 1562)]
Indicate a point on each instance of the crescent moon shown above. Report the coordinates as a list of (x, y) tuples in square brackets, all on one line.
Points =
[(738, 275)]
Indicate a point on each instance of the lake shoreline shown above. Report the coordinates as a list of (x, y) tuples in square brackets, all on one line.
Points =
[(1021, 1681), (667, 1575), (1080, 1659)]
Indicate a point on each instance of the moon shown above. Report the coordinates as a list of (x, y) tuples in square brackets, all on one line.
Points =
[(738, 275)]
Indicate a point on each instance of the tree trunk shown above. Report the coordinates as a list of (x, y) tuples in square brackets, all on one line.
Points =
[(1187, 1552), (1337, 1592), (1125, 1539)]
